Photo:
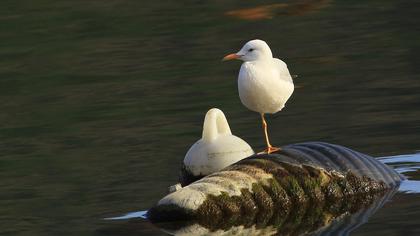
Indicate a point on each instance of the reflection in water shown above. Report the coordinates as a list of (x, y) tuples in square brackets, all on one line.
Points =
[(269, 11), (305, 223), (314, 221), (131, 215), (409, 166), (410, 186), (91, 90), (257, 13)]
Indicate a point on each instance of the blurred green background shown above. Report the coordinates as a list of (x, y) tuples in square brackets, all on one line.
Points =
[(100, 100)]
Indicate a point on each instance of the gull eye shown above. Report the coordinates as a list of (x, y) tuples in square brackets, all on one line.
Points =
[(250, 50)]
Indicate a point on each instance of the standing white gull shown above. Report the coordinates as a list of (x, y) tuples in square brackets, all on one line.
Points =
[(264, 82)]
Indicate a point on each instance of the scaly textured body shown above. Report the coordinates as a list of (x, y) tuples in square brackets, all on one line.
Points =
[(290, 180)]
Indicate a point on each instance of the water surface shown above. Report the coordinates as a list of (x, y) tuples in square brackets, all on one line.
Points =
[(101, 100)]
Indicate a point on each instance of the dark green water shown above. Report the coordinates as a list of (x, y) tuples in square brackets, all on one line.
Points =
[(100, 100)]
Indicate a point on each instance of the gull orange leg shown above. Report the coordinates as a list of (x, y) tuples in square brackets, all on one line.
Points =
[(270, 148)]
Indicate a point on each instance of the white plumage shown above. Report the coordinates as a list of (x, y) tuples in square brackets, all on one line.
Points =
[(265, 86), (264, 82)]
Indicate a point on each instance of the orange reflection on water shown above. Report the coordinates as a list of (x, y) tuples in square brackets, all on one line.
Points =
[(256, 13), (269, 11)]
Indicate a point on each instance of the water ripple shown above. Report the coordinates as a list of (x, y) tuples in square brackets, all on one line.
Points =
[(130, 215), (409, 167)]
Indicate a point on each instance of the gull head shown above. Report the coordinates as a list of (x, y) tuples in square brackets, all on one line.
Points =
[(253, 50)]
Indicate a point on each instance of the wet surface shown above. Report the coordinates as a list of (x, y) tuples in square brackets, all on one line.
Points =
[(399, 215), (345, 224), (409, 167), (101, 100)]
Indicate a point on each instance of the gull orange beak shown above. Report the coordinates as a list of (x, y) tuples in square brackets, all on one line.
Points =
[(231, 57)]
